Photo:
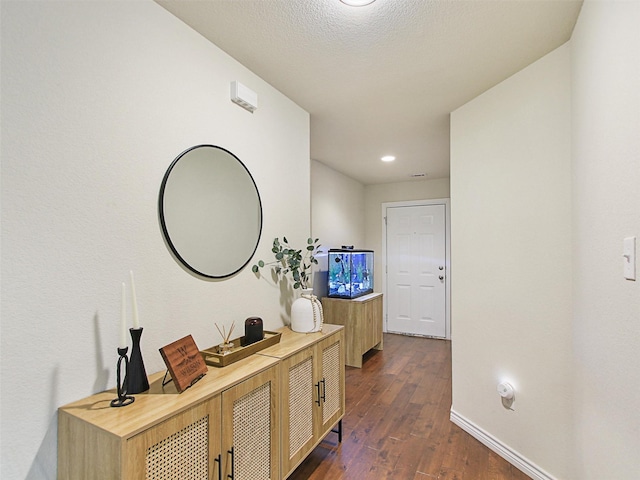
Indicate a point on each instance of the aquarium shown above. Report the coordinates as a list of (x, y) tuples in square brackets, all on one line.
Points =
[(350, 273)]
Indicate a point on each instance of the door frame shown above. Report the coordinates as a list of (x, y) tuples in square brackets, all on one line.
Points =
[(447, 245)]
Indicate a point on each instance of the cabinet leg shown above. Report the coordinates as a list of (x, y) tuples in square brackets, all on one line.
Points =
[(339, 431)]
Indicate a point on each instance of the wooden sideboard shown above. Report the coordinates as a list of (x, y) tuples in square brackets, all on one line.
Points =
[(312, 377), (362, 319), (230, 424)]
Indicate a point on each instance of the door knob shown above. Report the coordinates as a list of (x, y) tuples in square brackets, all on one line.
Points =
[(441, 277), (440, 267)]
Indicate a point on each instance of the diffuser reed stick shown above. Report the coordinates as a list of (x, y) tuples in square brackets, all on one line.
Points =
[(226, 345)]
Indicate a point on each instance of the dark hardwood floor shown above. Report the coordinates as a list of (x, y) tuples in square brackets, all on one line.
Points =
[(397, 426)]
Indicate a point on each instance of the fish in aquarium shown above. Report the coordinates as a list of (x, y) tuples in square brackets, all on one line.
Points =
[(350, 273)]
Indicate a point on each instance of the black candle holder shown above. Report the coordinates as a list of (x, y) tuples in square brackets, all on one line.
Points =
[(137, 381), (123, 399)]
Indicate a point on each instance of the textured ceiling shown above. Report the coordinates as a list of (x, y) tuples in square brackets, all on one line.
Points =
[(382, 79)]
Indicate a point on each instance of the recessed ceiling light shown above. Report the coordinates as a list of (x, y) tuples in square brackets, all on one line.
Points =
[(388, 158), (357, 3)]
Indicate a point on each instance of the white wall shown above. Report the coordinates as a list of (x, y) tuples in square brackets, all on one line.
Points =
[(97, 100), (337, 205), (606, 205), (600, 335), (376, 195), (511, 262)]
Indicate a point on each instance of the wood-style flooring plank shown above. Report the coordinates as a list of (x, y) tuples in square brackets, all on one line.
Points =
[(396, 424)]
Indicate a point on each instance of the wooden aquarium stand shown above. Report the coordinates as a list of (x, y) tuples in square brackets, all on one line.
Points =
[(362, 320)]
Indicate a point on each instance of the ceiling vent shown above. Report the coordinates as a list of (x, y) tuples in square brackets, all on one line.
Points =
[(244, 96)]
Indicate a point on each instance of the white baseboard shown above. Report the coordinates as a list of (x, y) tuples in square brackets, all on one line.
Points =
[(500, 448)]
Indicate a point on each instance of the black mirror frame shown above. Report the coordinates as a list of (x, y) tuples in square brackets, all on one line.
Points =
[(163, 224)]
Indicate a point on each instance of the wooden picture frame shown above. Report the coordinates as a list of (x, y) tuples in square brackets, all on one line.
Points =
[(184, 362)]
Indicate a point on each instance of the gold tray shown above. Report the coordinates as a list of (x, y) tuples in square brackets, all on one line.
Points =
[(240, 351)]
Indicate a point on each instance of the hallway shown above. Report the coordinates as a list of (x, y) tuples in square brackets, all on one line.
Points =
[(396, 424)]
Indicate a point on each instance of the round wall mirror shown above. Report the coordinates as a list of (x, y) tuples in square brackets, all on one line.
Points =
[(210, 211)]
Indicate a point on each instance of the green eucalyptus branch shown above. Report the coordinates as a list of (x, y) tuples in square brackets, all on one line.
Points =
[(290, 261)]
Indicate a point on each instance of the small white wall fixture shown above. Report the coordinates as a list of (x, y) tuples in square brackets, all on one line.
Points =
[(244, 96)]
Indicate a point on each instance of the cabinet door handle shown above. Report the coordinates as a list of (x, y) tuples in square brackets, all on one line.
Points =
[(324, 390), (319, 396), (219, 460), (232, 471)]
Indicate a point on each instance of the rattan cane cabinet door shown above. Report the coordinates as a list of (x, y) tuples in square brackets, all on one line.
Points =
[(250, 428), (184, 447), (331, 369), (300, 399)]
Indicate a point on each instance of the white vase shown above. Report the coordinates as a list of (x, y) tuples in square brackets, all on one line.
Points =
[(306, 313)]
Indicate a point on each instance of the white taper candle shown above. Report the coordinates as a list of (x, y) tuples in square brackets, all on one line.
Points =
[(123, 319), (134, 303)]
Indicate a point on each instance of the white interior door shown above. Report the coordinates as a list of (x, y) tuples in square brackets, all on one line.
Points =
[(416, 270)]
